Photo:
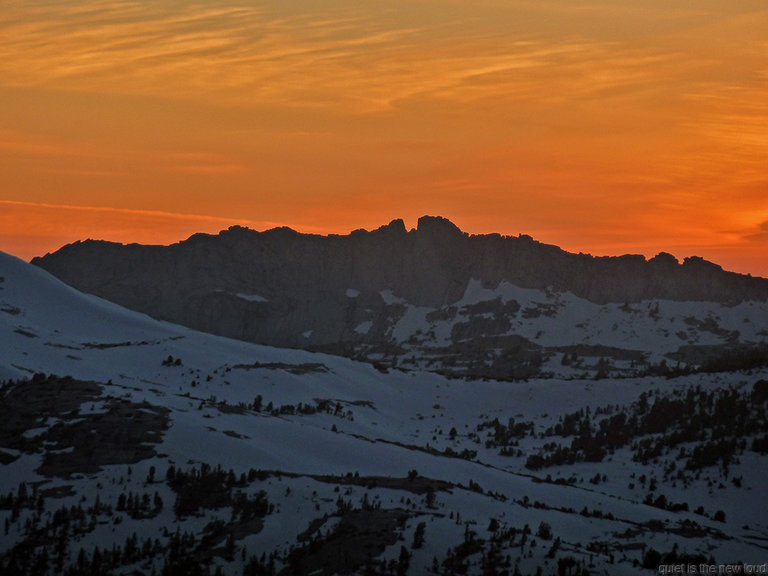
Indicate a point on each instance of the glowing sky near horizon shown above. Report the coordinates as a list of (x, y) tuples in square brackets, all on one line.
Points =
[(606, 127)]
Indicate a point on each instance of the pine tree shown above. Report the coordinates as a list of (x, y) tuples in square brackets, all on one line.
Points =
[(418, 535)]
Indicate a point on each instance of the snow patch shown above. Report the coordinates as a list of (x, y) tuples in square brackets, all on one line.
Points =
[(389, 297), (352, 293), (414, 320), (251, 297), (364, 327), (475, 292)]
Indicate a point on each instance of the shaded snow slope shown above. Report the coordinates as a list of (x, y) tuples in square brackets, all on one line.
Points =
[(331, 444)]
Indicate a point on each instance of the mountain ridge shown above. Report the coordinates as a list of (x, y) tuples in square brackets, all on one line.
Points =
[(493, 257), (433, 292)]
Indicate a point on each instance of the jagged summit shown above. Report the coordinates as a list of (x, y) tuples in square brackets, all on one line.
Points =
[(397, 226), (438, 225), (430, 265), (440, 229)]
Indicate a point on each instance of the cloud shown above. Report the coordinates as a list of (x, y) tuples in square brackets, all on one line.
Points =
[(32, 229), (343, 58), (78, 157), (241, 54), (201, 164), (761, 235), (210, 169), (107, 212), (15, 142)]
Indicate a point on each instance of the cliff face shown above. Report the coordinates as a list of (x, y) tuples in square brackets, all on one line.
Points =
[(347, 293)]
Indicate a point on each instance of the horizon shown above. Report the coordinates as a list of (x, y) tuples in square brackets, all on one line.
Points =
[(408, 229), (608, 129)]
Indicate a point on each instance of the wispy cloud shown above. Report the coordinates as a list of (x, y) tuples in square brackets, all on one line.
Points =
[(209, 169), (106, 211), (32, 229), (84, 158), (15, 142), (249, 55), (760, 234), (241, 54)]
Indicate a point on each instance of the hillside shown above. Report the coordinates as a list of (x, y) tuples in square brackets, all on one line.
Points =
[(434, 298), (134, 446)]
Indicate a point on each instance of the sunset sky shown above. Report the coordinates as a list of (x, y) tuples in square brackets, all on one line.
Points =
[(607, 126)]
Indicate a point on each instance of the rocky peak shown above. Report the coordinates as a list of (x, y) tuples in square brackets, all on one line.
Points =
[(394, 229), (438, 226), (664, 260)]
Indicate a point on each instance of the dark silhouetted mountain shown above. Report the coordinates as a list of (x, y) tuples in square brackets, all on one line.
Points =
[(367, 293)]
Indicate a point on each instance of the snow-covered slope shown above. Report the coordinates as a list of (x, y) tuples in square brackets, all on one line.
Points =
[(337, 467), (562, 335)]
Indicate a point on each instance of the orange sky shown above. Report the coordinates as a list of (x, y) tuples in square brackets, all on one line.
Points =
[(605, 127)]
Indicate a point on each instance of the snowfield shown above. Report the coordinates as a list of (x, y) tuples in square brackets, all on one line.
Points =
[(336, 464), (649, 331)]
